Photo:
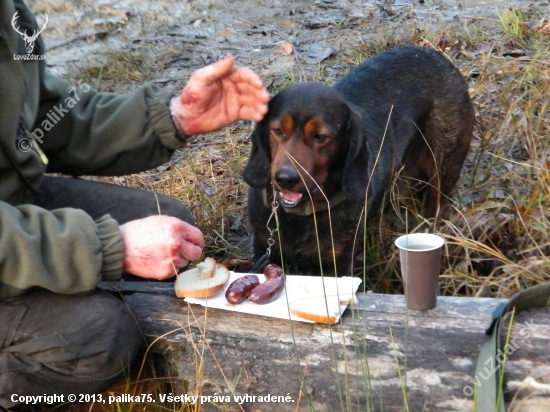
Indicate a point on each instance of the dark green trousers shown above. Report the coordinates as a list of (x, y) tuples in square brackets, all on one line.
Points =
[(69, 344)]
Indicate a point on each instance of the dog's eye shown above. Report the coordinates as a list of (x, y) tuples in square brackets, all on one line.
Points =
[(320, 138), (278, 133)]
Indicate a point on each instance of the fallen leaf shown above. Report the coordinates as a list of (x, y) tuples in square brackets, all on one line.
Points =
[(284, 50)]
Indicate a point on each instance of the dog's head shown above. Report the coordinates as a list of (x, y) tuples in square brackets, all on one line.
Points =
[(310, 144)]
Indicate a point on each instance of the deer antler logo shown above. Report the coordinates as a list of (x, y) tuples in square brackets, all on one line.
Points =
[(29, 40)]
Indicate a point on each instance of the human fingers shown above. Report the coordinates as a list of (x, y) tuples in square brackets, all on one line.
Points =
[(187, 242), (255, 113), (250, 101), (187, 251), (245, 77), (214, 71), (189, 233), (248, 95)]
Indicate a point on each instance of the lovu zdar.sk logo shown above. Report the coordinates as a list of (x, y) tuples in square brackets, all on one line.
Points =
[(29, 40)]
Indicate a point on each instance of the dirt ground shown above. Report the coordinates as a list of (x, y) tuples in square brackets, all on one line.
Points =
[(198, 32)]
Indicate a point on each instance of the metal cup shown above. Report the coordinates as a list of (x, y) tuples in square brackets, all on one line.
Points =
[(420, 258)]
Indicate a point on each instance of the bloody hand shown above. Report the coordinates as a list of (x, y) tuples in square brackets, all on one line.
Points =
[(156, 246), (218, 95)]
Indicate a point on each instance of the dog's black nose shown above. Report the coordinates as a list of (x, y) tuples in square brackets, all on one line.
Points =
[(287, 178)]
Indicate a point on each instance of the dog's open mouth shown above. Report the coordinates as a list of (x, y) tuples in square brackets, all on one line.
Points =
[(290, 199)]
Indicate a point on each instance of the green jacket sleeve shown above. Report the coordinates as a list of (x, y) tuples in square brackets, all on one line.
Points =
[(88, 132), (64, 250)]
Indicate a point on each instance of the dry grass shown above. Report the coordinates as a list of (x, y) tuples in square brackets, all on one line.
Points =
[(498, 228), (500, 233)]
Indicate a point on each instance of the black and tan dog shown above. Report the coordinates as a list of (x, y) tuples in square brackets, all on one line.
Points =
[(326, 152)]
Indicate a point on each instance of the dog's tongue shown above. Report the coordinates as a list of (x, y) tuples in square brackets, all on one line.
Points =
[(291, 197)]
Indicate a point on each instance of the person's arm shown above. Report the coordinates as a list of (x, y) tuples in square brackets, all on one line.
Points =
[(109, 134), (87, 132), (67, 252), (64, 250)]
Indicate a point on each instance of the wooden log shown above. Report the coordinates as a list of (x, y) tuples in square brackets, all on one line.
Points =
[(358, 365)]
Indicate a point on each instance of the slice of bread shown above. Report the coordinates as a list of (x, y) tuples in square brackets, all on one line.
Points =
[(322, 304), (317, 309), (203, 281)]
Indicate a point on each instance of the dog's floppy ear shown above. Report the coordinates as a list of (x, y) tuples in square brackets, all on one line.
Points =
[(356, 170), (257, 170)]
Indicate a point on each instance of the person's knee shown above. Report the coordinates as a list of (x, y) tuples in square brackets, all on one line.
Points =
[(124, 204), (69, 344), (113, 337), (172, 207)]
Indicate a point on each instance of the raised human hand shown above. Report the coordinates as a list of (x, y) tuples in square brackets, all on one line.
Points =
[(218, 95)]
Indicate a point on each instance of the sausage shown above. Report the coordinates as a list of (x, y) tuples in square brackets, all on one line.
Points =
[(267, 291), (240, 288), (272, 271)]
